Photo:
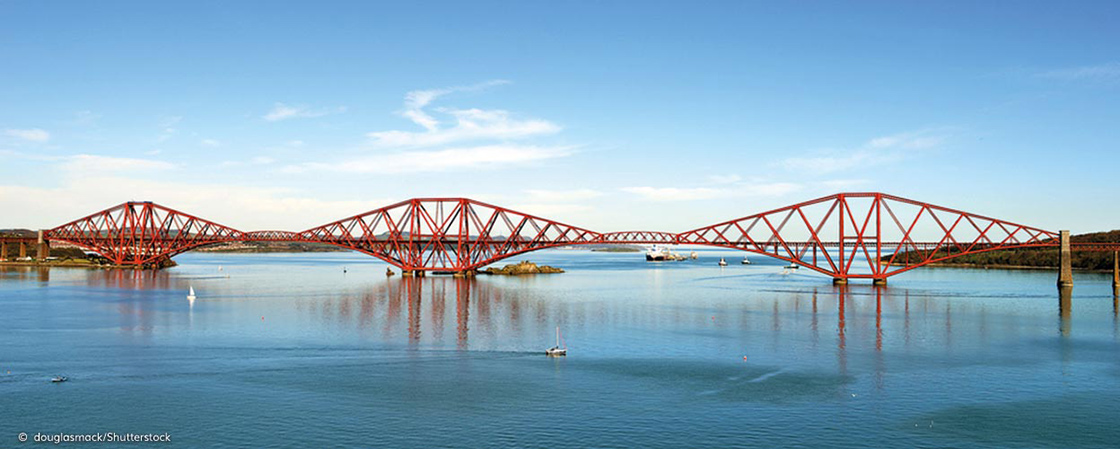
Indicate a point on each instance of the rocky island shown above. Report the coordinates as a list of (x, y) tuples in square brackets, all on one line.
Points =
[(520, 268)]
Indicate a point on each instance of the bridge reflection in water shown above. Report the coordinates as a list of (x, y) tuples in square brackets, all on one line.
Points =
[(865, 326)]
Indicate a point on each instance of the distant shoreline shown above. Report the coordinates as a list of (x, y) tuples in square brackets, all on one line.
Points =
[(998, 267)]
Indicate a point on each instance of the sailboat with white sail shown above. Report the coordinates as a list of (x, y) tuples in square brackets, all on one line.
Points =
[(557, 351)]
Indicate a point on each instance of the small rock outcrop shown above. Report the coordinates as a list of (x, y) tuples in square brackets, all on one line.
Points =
[(523, 267)]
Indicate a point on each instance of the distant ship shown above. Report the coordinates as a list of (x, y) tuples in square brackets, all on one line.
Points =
[(657, 254), (722, 263), (745, 261)]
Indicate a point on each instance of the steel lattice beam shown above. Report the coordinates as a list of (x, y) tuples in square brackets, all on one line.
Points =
[(846, 235)]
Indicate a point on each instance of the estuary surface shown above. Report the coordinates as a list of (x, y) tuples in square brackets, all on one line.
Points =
[(287, 350)]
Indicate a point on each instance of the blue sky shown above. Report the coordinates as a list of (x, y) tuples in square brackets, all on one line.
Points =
[(612, 116)]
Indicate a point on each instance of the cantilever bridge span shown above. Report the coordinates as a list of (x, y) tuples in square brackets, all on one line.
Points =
[(846, 235)]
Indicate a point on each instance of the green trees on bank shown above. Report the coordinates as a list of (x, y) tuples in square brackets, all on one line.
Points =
[(1030, 257)]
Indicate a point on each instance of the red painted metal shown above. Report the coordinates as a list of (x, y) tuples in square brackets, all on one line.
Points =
[(639, 237), (864, 235), (447, 234), (846, 235), (142, 233)]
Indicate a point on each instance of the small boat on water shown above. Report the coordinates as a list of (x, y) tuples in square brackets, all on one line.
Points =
[(557, 351), (59, 379), (722, 263), (745, 261), (655, 254), (693, 255), (190, 295), (792, 266)]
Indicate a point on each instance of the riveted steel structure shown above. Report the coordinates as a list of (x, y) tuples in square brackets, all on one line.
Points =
[(447, 234), (142, 233), (846, 235)]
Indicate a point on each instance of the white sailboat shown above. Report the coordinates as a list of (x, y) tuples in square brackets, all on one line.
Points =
[(745, 261), (557, 351), (722, 263), (190, 296)]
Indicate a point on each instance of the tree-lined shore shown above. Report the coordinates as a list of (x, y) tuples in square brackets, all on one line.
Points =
[(1030, 257)]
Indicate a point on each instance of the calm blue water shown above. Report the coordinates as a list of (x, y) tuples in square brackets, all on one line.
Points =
[(286, 350)]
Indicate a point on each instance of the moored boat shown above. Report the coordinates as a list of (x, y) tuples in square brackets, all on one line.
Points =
[(656, 254)]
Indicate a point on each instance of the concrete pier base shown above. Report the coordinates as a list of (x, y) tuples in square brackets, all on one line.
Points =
[(412, 273), (44, 249), (882, 282), (1115, 273), (1065, 263), (839, 281), (464, 274)]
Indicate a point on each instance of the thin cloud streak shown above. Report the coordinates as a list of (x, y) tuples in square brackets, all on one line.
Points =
[(481, 157), (707, 193), (89, 163), (1101, 72), (877, 151), (281, 111), (30, 135)]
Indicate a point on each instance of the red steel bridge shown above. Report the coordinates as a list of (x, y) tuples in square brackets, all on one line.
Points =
[(844, 236)]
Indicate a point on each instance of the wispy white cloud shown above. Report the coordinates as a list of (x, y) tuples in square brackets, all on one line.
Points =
[(877, 151), (561, 196), (281, 111), (468, 124), (724, 179), (86, 118), (843, 184), (415, 101), (910, 141), (30, 135), (839, 161), (675, 193), (243, 207), (258, 160), (88, 163), (477, 139), (481, 157), (1101, 72), (737, 190), (168, 128)]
